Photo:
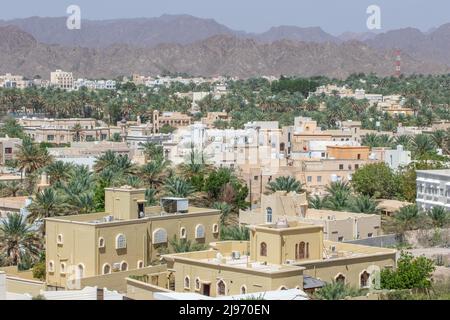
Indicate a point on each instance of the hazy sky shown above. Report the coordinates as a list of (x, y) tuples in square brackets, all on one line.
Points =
[(334, 16)]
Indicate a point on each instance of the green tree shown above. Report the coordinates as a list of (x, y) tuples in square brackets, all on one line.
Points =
[(376, 181), (237, 233), (18, 241), (288, 184), (439, 216), (184, 245), (335, 291), (177, 187), (46, 204), (411, 273), (364, 204)]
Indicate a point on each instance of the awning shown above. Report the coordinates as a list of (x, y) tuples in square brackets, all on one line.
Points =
[(312, 283)]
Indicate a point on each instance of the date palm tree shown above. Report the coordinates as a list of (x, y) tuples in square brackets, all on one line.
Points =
[(317, 202), (335, 291), (364, 204), (407, 218), (178, 187), (154, 172), (17, 239), (422, 144), (31, 157), (78, 132), (58, 171), (237, 233), (287, 184), (403, 140), (225, 210), (439, 216), (46, 204), (184, 245)]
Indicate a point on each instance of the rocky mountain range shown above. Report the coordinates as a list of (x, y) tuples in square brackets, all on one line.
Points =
[(198, 46)]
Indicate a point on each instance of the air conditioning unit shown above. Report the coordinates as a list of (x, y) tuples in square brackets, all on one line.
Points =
[(175, 205), (236, 255), (116, 266), (108, 218), (290, 261)]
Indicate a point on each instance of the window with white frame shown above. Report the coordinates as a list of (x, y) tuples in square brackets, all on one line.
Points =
[(183, 233), (197, 284), (60, 239), (63, 268), (215, 228), (106, 268), (199, 231), (51, 266), (187, 282), (101, 242), (269, 215), (160, 236), (221, 288), (123, 266), (140, 264), (121, 241), (243, 289)]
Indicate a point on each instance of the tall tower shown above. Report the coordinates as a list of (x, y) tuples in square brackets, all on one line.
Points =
[(398, 63)]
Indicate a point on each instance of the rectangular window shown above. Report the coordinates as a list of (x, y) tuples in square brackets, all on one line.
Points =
[(341, 167), (369, 235), (319, 179), (8, 150), (50, 137), (356, 166), (255, 178), (309, 179), (340, 239)]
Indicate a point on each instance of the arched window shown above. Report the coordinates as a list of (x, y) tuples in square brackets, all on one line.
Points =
[(123, 266), (307, 250), (187, 283), (140, 264), (296, 251), (51, 266), (199, 231), (59, 239), (263, 249), (215, 228), (283, 288), (63, 267), (301, 250), (121, 241), (106, 268), (364, 279), (182, 233), (159, 236), (101, 242), (197, 284), (243, 289), (340, 278), (269, 215), (80, 270), (221, 288)]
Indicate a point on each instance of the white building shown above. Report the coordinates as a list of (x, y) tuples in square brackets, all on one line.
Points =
[(433, 188), (94, 84), (396, 158)]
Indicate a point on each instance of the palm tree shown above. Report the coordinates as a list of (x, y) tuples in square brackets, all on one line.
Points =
[(370, 140), (403, 140), (104, 161), (316, 202), (150, 196), (17, 239), (237, 233), (335, 291), (407, 218), (225, 210), (58, 171), (11, 188), (152, 150), (78, 132), (422, 144), (46, 204), (440, 139), (364, 204), (439, 216), (178, 187), (184, 245), (154, 172), (337, 186), (31, 157), (287, 184)]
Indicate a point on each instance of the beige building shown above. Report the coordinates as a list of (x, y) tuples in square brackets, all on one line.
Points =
[(60, 131), (212, 117), (9, 148), (173, 119), (126, 236), (277, 257), (337, 225), (61, 79)]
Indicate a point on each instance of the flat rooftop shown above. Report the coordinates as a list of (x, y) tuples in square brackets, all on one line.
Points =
[(333, 215), (443, 172)]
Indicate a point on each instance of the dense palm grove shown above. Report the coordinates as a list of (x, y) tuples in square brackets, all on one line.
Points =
[(76, 190)]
